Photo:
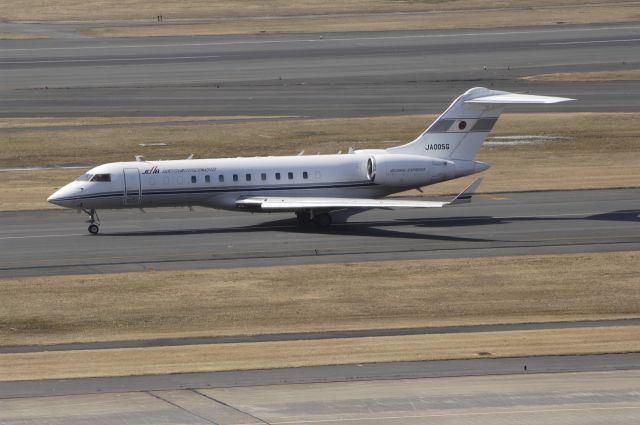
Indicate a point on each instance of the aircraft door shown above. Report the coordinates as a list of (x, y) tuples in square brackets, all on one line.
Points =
[(132, 187)]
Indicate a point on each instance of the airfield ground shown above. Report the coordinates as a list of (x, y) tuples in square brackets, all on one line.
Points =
[(622, 75), (150, 305), (522, 159), (570, 151), (281, 354), (140, 18)]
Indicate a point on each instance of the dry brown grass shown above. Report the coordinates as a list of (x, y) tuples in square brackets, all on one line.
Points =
[(70, 10), (6, 35), (600, 150), (29, 190), (38, 122), (392, 294), (205, 358), (622, 75), (487, 18)]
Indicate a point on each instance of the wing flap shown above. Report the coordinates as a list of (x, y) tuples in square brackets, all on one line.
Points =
[(272, 203)]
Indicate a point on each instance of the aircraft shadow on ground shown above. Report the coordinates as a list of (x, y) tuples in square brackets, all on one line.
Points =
[(368, 229), (622, 215), (373, 228)]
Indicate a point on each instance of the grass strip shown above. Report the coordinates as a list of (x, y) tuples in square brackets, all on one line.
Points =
[(209, 358), (392, 294), (620, 75), (104, 10), (39, 122), (393, 21)]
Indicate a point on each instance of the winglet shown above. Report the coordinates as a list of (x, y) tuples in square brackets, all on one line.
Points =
[(465, 196)]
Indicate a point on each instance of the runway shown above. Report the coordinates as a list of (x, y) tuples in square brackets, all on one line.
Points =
[(565, 389), (314, 75), (56, 242)]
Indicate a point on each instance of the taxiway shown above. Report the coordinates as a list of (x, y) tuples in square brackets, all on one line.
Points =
[(315, 75)]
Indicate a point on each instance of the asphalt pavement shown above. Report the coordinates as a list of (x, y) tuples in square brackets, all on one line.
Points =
[(57, 242), (311, 75)]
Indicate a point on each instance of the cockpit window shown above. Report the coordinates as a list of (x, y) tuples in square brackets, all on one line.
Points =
[(101, 178), (84, 177)]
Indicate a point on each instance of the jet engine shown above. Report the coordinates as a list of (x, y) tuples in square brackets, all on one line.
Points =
[(408, 170)]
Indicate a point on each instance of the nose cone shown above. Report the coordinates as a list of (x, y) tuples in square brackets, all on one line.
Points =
[(62, 197)]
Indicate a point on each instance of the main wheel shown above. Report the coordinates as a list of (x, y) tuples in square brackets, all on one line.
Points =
[(93, 229), (322, 220)]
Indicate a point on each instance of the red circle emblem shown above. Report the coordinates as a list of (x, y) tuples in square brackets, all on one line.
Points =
[(462, 125)]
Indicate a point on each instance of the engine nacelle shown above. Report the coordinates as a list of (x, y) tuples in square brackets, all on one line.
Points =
[(408, 170)]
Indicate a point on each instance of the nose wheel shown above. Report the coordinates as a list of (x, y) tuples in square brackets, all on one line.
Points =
[(94, 222)]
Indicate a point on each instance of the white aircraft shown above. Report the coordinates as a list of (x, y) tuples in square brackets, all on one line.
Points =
[(313, 187)]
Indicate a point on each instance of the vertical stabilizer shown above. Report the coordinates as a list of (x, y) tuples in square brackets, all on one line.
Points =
[(460, 131)]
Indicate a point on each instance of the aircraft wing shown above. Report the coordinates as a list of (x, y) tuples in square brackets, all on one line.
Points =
[(274, 203)]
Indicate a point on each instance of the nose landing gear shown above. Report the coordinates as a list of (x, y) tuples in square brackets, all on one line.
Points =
[(94, 221)]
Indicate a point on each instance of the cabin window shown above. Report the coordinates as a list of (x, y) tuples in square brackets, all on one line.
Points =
[(248, 177), (305, 175), (207, 179), (193, 179), (221, 178), (84, 177), (179, 179), (101, 178), (165, 180), (277, 176), (290, 175), (263, 176), (152, 181), (235, 177)]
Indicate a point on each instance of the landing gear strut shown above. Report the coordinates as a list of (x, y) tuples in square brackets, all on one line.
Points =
[(303, 217), (94, 221), (322, 220)]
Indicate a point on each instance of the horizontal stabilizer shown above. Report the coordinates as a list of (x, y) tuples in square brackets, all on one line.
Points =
[(516, 98)]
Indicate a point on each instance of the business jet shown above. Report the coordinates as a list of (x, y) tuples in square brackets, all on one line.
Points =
[(313, 187)]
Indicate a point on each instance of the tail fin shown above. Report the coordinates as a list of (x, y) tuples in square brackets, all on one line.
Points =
[(460, 131)]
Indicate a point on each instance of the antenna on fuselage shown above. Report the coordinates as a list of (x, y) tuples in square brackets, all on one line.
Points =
[(190, 156), (139, 158)]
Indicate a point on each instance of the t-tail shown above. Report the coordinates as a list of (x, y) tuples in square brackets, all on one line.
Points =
[(461, 130)]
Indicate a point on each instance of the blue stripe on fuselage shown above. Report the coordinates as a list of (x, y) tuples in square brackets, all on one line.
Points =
[(148, 192)]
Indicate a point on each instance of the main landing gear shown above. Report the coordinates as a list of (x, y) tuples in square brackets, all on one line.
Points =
[(94, 221), (322, 220)]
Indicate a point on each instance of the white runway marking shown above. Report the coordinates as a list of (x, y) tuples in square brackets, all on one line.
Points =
[(114, 59), (568, 43), (41, 236)]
